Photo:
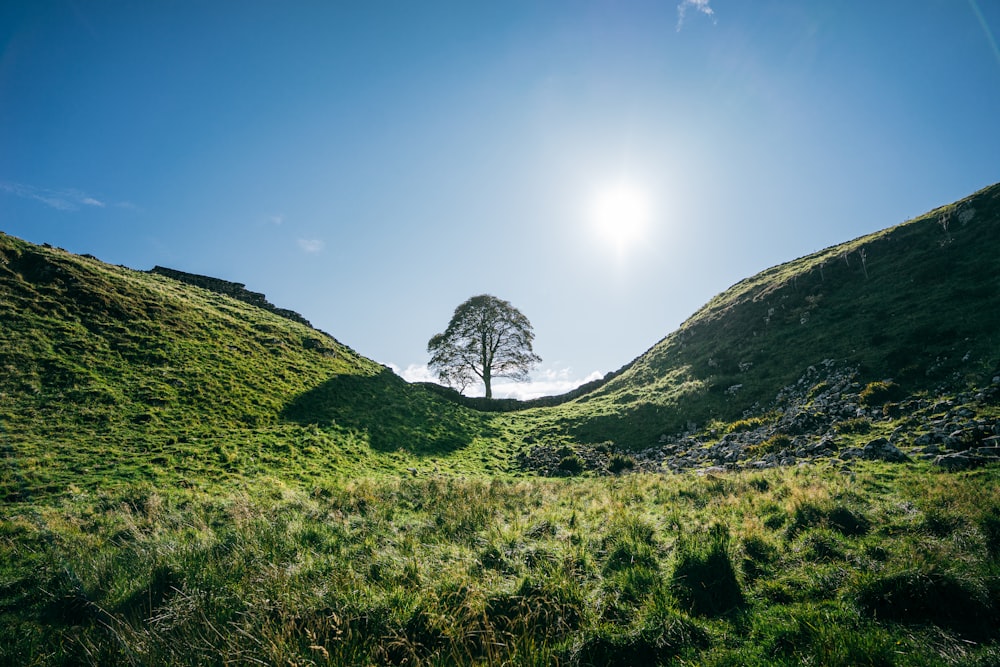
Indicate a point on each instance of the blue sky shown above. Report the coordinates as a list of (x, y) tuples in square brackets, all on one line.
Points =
[(373, 164)]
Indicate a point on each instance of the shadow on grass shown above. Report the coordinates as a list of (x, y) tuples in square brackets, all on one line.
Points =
[(389, 412), (631, 427)]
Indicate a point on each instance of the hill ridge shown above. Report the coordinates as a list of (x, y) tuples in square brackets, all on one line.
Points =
[(777, 280), (235, 290)]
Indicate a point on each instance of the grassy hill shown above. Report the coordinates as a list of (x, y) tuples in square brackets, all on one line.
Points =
[(157, 370), (109, 375), (917, 304), (190, 475)]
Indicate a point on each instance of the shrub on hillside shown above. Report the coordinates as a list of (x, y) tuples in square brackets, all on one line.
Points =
[(817, 389), (858, 425), (772, 445), (571, 465), (748, 424), (565, 450), (620, 462), (880, 392)]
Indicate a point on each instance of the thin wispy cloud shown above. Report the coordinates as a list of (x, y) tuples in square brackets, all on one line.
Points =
[(277, 219), (311, 246), (698, 6), (61, 200)]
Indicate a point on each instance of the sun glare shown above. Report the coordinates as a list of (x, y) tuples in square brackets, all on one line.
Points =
[(620, 215)]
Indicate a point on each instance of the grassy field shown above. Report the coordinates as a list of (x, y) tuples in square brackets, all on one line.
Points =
[(891, 565)]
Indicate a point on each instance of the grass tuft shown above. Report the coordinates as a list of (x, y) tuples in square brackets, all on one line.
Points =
[(704, 577), (927, 595)]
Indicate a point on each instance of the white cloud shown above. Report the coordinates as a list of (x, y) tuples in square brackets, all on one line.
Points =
[(277, 219), (311, 246), (548, 382), (61, 200), (698, 5), (414, 373)]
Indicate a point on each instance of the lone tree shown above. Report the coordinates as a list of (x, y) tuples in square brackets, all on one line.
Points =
[(486, 338)]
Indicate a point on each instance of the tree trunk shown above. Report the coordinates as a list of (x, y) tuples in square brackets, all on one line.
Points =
[(485, 341)]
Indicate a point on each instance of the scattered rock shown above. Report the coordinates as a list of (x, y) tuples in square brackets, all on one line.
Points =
[(881, 449), (972, 458), (954, 462), (816, 414)]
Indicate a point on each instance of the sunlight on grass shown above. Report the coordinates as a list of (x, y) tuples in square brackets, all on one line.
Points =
[(440, 570)]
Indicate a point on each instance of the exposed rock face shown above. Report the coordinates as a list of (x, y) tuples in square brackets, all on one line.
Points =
[(817, 418), (972, 458), (235, 290), (879, 449)]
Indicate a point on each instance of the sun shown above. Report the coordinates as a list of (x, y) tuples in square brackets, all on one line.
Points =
[(620, 215)]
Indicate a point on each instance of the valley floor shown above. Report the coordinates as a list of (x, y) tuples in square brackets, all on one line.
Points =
[(887, 564)]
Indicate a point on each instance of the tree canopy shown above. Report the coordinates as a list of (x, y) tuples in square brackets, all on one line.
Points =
[(486, 338)]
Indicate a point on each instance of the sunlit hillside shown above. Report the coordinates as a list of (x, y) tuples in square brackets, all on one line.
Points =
[(112, 375), (917, 304)]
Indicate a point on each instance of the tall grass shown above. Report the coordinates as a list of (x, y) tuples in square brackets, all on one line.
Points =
[(445, 571)]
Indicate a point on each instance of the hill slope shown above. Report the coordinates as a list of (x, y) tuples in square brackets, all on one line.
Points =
[(917, 304), (105, 371)]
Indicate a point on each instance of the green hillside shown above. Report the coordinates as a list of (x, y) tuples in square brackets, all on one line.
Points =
[(169, 374), (805, 473), (918, 304), (110, 376)]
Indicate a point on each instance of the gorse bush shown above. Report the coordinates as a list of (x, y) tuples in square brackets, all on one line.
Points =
[(859, 425), (751, 423), (571, 465), (880, 392), (773, 445), (620, 462)]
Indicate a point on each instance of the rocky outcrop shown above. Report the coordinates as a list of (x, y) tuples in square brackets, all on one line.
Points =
[(879, 449), (825, 415)]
